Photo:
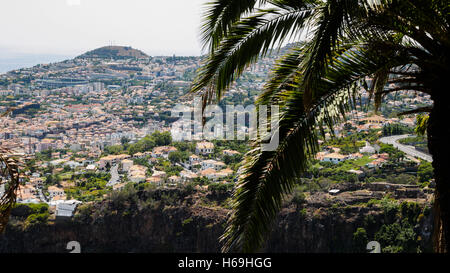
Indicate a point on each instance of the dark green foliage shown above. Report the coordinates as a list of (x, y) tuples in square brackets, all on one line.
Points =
[(397, 237), (394, 153), (396, 129), (143, 145), (33, 214), (402, 178), (425, 171), (391, 42), (360, 240), (398, 233), (299, 197), (177, 157), (410, 211), (220, 188), (24, 210), (90, 186)]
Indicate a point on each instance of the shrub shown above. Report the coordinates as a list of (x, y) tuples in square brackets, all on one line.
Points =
[(397, 237), (425, 171), (360, 240), (299, 198), (187, 222)]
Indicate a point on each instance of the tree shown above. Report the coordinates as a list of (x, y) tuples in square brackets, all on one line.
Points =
[(161, 139), (124, 140), (9, 180), (404, 43), (360, 240), (425, 171), (176, 157)]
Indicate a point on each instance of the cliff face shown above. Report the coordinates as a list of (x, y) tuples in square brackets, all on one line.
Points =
[(192, 221)]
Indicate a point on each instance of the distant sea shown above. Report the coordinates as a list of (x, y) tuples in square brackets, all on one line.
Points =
[(12, 62)]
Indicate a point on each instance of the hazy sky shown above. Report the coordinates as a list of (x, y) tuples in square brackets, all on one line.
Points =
[(71, 27)]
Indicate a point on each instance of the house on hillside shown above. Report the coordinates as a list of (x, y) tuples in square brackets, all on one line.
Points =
[(194, 160), (204, 148), (375, 119), (54, 191), (66, 209), (230, 152), (368, 149), (212, 164), (334, 158)]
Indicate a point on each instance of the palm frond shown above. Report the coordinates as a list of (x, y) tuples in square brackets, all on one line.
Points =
[(348, 41), (282, 76), (247, 40), (9, 180), (330, 21), (422, 124), (219, 16), (268, 176)]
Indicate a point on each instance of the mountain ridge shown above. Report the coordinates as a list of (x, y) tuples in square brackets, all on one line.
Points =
[(114, 52)]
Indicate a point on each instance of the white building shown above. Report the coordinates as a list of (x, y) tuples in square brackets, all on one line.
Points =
[(204, 148), (368, 149), (193, 160), (137, 173), (54, 191), (126, 164), (212, 164), (334, 158)]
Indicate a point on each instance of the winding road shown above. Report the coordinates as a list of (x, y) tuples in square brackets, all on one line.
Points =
[(409, 150)]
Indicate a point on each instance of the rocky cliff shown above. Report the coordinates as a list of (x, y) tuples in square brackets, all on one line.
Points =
[(189, 220)]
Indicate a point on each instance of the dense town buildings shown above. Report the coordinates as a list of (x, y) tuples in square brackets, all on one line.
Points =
[(65, 117)]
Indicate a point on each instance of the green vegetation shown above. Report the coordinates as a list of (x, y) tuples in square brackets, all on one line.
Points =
[(143, 145), (187, 222), (396, 129), (178, 156), (220, 188), (360, 240), (319, 76), (419, 142), (114, 52), (33, 214), (397, 234), (394, 154), (425, 171), (89, 187), (299, 197)]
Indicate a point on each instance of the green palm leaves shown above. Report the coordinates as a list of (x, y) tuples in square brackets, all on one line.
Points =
[(9, 180), (340, 45)]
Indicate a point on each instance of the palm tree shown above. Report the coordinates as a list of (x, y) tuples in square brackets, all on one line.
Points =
[(344, 47), (9, 180), (9, 183)]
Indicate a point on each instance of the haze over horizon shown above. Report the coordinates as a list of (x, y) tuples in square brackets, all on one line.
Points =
[(43, 31), (72, 27)]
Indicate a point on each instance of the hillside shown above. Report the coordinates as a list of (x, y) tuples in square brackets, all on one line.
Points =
[(188, 220), (114, 52)]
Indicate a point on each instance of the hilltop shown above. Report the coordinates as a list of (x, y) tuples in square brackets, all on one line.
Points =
[(114, 52)]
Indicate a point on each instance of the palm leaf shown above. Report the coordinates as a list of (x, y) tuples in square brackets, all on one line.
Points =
[(248, 38), (9, 179), (268, 176), (218, 18)]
